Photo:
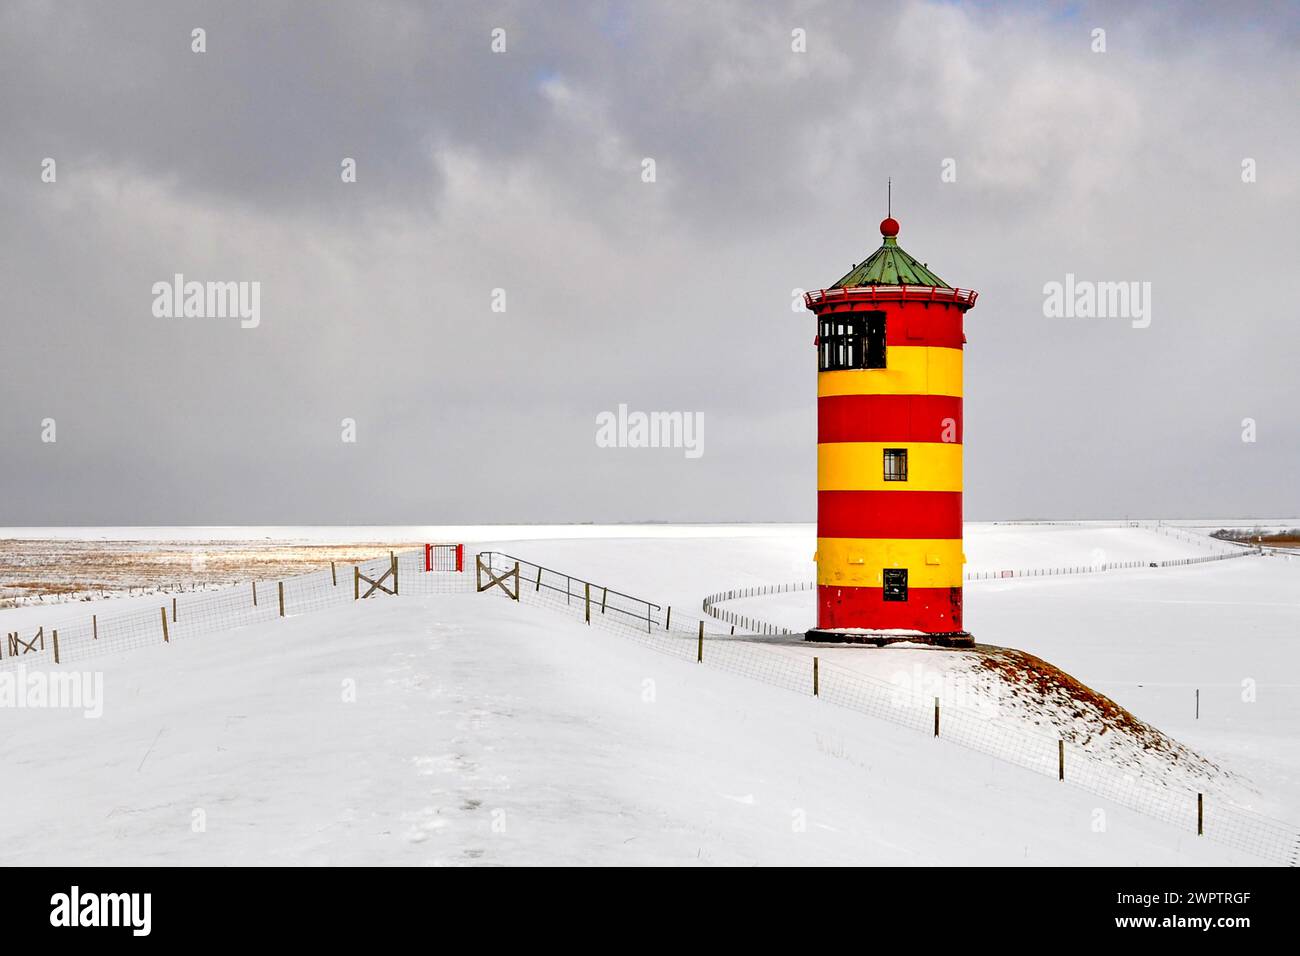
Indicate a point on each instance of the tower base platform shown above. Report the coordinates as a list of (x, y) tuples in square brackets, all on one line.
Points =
[(881, 638)]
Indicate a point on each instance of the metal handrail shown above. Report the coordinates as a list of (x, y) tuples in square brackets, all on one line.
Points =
[(928, 293), (570, 580)]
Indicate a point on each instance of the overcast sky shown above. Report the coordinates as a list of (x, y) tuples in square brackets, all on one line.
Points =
[(523, 170)]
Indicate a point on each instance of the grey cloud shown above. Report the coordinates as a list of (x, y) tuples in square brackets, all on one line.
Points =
[(521, 171)]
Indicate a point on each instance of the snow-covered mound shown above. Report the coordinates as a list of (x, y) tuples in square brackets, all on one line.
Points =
[(1032, 690), (1202, 652)]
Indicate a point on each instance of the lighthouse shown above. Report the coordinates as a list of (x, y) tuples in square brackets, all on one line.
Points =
[(889, 452)]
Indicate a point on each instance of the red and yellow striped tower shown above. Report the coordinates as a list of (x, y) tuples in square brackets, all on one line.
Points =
[(889, 441)]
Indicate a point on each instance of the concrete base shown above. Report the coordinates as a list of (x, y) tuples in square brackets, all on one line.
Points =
[(880, 639)]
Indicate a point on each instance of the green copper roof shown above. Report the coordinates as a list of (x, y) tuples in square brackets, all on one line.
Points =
[(889, 265)]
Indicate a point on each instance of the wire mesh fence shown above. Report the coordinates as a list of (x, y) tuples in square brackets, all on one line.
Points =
[(1170, 799), (1103, 566), (224, 611), (752, 624), (758, 626)]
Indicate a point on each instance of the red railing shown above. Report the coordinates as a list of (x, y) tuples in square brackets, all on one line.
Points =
[(893, 293)]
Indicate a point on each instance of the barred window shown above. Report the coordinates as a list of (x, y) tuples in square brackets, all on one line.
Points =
[(851, 340), (895, 584), (895, 464)]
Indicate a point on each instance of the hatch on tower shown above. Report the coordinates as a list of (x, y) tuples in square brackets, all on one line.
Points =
[(895, 584)]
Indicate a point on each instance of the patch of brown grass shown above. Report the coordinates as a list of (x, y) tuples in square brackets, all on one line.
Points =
[(54, 568), (1056, 694)]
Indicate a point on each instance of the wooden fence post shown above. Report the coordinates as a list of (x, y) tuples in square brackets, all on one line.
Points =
[(166, 639), (1200, 814), (392, 558), (699, 654), (173, 610), (604, 596), (586, 595), (816, 685), (1060, 759), (668, 618), (254, 594), (356, 583), (94, 627), (56, 645), (334, 576), (539, 579), (280, 587), (936, 716)]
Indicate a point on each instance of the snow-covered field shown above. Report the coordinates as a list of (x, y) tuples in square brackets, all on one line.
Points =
[(488, 732)]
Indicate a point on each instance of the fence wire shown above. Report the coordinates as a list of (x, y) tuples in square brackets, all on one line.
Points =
[(757, 626), (223, 611)]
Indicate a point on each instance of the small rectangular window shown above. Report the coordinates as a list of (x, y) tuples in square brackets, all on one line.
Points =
[(895, 584), (851, 340), (895, 464)]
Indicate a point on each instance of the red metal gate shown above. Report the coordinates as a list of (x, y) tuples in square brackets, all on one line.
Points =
[(444, 557)]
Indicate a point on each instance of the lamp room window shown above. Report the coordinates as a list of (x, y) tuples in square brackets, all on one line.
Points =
[(851, 340)]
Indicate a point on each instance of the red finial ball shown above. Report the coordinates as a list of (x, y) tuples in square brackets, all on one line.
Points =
[(889, 227)]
